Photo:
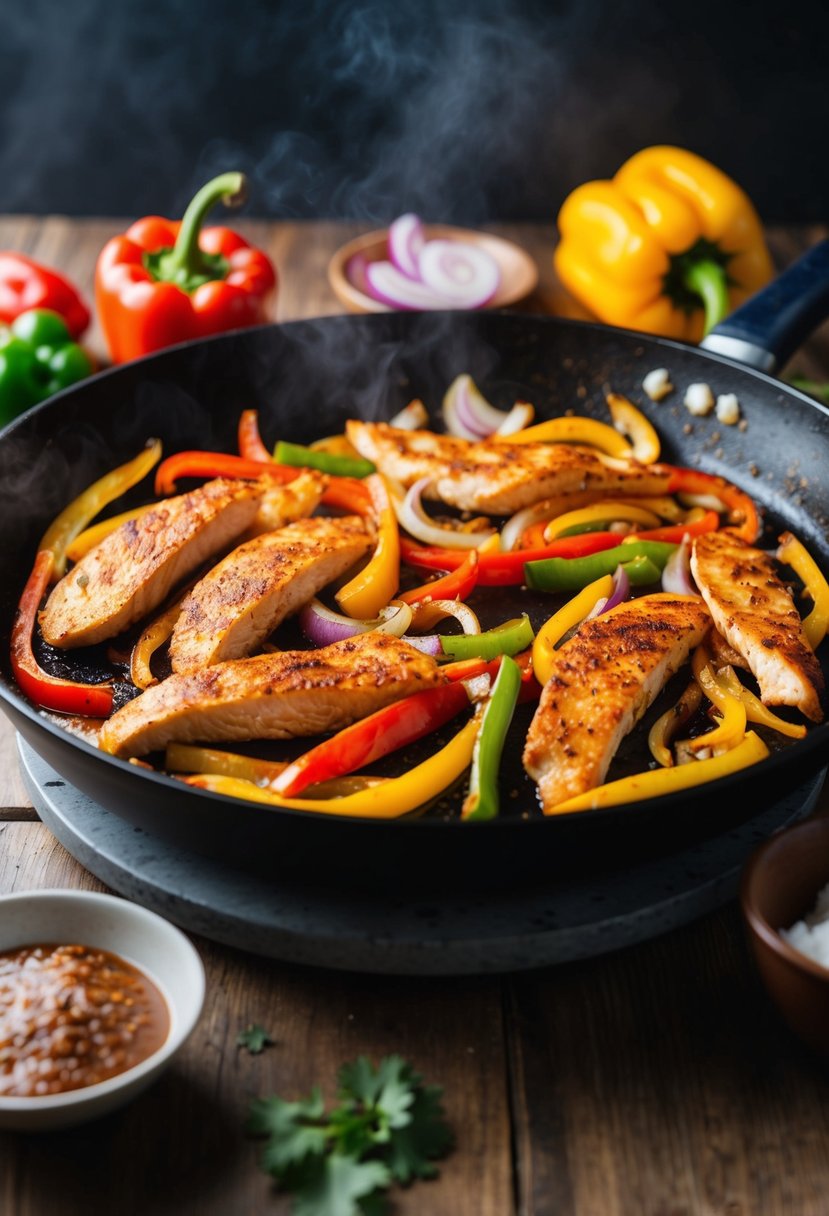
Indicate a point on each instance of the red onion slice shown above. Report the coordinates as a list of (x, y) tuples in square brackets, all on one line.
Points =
[(466, 274), (619, 595), (411, 516), (387, 284), (676, 577), (428, 644), (322, 626), (405, 242), (411, 417), (468, 414)]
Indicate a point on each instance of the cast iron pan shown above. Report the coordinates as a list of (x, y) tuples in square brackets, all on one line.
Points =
[(306, 378)]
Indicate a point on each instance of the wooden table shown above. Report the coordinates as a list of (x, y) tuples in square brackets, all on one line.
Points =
[(654, 1082)]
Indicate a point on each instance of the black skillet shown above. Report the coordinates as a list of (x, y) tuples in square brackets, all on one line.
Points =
[(306, 378)]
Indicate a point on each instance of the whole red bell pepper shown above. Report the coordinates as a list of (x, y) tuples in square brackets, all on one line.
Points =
[(25, 284), (164, 282)]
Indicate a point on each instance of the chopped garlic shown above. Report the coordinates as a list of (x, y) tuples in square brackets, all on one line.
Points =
[(699, 400), (657, 384), (728, 409)]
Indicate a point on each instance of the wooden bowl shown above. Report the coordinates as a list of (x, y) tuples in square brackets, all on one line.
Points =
[(780, 886), (519, 273)]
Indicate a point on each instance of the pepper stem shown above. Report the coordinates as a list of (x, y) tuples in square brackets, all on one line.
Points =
[(185, 261), (707, 280)]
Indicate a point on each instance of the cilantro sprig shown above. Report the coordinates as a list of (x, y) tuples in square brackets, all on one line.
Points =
[(386, 1127), (255, 1038)]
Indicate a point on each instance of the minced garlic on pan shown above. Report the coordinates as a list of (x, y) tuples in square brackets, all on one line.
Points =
[(811, 936), (728, 409), (657, 384), (699, 400)]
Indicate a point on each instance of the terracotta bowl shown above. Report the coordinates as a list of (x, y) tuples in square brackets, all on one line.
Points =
[(519, 273), (779, 887)]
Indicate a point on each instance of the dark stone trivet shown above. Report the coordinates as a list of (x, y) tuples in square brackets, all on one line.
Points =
[(568, 919)]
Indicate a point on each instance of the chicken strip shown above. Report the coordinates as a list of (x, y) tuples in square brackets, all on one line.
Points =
[(602, 682), (272, 696), (498, 478), (282, 504), (242, 599), (753, 610), (134, 568)]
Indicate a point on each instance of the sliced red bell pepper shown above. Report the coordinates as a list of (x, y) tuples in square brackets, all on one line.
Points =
[(348, 494), (250, 442), (456, 585), (506, 569), (672, 534), (469, 669), (742, 510), (64, 696), (533, 536), (376, 736), (216, 464)]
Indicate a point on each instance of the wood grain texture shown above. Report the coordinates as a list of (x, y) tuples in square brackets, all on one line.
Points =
[(181, 1148)]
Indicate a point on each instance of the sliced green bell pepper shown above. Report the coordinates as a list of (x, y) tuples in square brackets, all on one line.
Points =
[(37, 359), (327, 462), (573, 573), (510, 638), (483, 801)]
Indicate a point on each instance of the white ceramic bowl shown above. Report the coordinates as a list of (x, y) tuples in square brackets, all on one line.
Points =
[(147, 941)]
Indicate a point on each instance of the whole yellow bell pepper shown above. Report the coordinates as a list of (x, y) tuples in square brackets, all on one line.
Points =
[(668, 247)]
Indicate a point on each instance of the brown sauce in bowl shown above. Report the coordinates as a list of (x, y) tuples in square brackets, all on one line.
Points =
[(71, 1016)]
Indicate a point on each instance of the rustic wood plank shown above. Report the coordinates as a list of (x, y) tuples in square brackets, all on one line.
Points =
[(181, 1149), (660, 1080)]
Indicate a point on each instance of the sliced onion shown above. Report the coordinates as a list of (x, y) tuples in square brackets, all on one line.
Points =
[(468, 414), (405, 242), (387, 284), (412, 517), (519, 417), (517, 525), (676, 577), (355, 272), (708, 502), (478, 687), (619, 595), (428, 644), (464, 273), (462, 613), (323, 627), (411, 417)]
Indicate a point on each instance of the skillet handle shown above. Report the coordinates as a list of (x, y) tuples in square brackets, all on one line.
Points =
[(766, 330)]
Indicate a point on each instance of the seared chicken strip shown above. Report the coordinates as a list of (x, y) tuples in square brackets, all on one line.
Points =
[(498, 478), (282, 504), (252, 590), (134, 568), (272, 696), (603, 681), (753, 610)]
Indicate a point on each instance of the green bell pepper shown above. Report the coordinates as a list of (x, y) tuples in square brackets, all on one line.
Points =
[(510, 638), (37, 359), (327, 462), (482, 801), (573, 573)]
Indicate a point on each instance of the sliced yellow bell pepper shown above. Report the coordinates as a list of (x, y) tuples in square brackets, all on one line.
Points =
[(792, 553), (393, 798), (669, 246), (633, 424), (377, 582), (152, 637), (600, 512), (756, 711), (656, 782), (571, 430), (93, 536), (572, 614), (665, 727), (184, 758), (83, 509), (731, 728)]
